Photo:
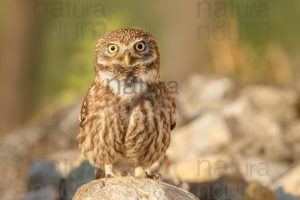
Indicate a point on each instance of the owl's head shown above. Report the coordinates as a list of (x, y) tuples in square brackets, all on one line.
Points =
[(126, 51)]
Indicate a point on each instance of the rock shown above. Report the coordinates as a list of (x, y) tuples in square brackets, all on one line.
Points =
[(130, 188), (282, 195), (14, 153), (245, 120), (44, 173), (259, 170), (292, 137), (20, 148), (45, 193), (200, 94), (211, 167), (255, 190), (281, 104), (53, 168), (63, 171), (204, 135), (275, 150), (232, 187), (78, 176), (288, 185), (251, 129), (203, 169)]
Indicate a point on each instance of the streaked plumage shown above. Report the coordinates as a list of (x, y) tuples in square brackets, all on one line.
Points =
[(128, 113)]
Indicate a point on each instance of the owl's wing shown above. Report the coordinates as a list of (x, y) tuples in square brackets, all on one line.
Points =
[(85, 108), (173, 120), (82, 121), (83, 113), (172, 105)]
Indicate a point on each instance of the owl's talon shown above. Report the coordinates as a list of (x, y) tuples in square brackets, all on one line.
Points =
[(98, 174), (109, 172), (140, 172), (108, 176), (157, 177), (122, 174), (154, 176)]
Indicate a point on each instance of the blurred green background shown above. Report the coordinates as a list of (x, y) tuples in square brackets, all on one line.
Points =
[(47, 45)]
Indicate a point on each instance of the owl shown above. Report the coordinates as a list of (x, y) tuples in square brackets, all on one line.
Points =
[(129, 111)]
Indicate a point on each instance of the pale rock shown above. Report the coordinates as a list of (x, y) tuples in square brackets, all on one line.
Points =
[(281, 104), (245, 120), (200, 94), (123, 188), (274, 149), (211, 167), (204, 135), (20, 148), (288, 187), (259, 170), (293, 139), (202, 169), (251, 129)]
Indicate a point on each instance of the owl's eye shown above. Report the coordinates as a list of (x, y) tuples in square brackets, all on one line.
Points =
[(140, 46), (112, 48)]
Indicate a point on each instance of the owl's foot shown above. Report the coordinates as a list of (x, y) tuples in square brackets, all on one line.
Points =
[(108, 176), (154, 176), (98, 174), (140, 172), (121, 174), (109, 172)]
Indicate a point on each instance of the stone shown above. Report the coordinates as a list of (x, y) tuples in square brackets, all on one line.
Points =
[(292, 137), (281, 104), (245, 120), (203, 169), (232, 187), (123, 188), (53, 168), (250, 130), (20, 148), (63, 171), (288, 186), (45, 193), (255, 190), (211, 167), (283, 195), (274, 150), (204, 135), (201, 94), (262, 171)]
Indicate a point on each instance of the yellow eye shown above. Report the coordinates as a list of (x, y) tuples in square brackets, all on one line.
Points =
[(112, 48), (140, 46)]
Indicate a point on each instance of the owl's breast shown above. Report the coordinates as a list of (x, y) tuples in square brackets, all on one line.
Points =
[(137, 129), (148, 131)]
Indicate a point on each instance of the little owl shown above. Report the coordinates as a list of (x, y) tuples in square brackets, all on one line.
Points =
[(128, 113)]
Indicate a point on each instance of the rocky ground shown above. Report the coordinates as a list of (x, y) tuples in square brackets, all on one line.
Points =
[(232, 142)]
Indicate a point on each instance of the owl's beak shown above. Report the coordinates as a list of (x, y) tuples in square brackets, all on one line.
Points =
[(127, 59)]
